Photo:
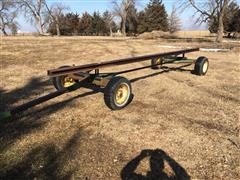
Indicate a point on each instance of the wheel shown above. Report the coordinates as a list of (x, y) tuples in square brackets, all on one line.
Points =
[(156, 63), (201, 66), (63, 82), (118, 93)]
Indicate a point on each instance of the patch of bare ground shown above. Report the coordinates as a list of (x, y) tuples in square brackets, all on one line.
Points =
[(178, 125)]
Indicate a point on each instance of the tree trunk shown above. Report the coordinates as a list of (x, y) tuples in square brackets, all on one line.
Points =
[(4, 32), (220, 20), (40, 29), (2, 27), (220, 28), (124, 27), (57, 26), (58, 29), (39, 24), (110, 29)]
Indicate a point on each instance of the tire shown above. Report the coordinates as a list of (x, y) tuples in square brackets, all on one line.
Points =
[(119, 85), (156, 63), (201, 66), (58, 81)]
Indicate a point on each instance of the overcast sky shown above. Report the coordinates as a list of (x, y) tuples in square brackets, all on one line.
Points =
[(90, 6)]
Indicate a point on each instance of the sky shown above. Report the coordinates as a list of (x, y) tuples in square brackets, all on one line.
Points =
[(90, 6)]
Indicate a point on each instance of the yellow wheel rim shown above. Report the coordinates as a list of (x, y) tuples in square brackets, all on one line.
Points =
[(122, 94), (67, 82), (158, 62), (205, 67)]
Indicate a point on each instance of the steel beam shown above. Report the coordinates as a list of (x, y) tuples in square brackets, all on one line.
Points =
[(89, 67)]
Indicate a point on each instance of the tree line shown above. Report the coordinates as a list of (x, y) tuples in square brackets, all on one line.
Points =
[(220, 15), (132, 22), (87, 24)]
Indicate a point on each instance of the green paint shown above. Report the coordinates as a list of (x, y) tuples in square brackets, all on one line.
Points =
[(170, 61), (5, 115)]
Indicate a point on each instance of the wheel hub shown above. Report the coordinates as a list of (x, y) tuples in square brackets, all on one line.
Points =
[(205, 67), (122, 94), (67, 81), (158, 62)]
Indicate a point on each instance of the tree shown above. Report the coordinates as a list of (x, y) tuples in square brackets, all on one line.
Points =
[(221, 8), (56, 10), (235, 25), (228, 20), (72, 23), (85, 23), (207, 9), (8, 14), (231, 11), (174, 22), (14, 28), (68, 24), (122, 10), (35, 11), (132, 20), (154, 17), (108, 19), (97, 25), (12, 24), (142, 22)]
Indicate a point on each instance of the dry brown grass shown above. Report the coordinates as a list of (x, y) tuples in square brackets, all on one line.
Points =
[(179, 34), (194, 34), (195, 120)]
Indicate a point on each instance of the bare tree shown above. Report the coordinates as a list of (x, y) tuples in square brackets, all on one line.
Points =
[(36, 12), (108, 19), (207, 9), (14, 29), (174, 22), (56, 10), (13, 25), (122, 10), (8, 14)]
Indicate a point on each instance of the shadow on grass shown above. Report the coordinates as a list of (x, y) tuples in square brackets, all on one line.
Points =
[(25, 123), (158, 160), (164, 70), (44, 162), (31, 120), (34, 87)]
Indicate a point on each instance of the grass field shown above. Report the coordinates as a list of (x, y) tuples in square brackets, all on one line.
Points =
[(193, 121)]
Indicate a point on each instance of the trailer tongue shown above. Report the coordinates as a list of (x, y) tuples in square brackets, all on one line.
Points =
[(117, 89)]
